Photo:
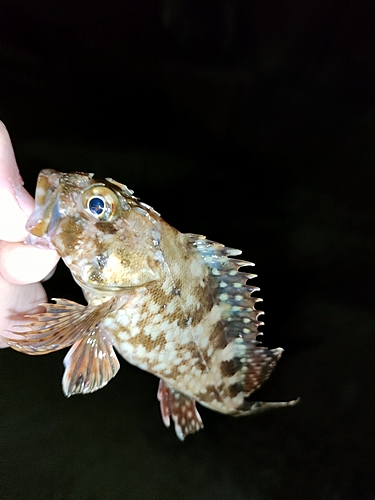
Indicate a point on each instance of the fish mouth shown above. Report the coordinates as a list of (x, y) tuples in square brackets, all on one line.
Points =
[(46, 210)]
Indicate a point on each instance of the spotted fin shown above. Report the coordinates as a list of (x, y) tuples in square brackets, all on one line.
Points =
[(90, 364), (182, 410), (233, 292), (246, 364), (63, 324)]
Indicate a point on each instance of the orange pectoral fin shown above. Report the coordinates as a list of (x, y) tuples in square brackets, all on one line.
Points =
[(63, 324), (91, 362), (58, 327)]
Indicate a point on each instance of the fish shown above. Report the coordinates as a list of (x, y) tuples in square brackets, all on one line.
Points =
[(173, 304)]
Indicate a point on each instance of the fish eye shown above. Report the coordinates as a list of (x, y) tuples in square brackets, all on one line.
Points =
[(96, 205), (101, 203)]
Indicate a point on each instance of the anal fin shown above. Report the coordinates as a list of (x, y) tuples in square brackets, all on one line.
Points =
[(182, 410)]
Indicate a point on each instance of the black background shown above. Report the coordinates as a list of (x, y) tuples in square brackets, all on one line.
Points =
[(252, 123)]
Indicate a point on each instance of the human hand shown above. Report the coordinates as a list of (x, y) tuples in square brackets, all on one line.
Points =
[(22, 266)]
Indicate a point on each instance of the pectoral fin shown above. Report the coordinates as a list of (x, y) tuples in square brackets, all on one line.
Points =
[(90, 364), (63, 324), (182, 410)]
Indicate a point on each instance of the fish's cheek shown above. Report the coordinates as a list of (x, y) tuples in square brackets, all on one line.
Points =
[(68, 238), (115, 269), (109, 265)]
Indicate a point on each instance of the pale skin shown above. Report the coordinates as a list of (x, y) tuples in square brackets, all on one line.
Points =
[(22, 267)]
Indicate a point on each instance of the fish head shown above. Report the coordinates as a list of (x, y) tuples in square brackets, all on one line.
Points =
[(106, 236)]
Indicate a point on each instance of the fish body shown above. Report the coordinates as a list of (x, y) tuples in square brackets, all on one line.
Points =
[(173, 304)]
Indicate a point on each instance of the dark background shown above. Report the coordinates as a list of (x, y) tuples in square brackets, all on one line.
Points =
[(252, 123)]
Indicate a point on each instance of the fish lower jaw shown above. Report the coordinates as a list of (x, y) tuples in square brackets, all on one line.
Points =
[(103, 290), (39, 242)]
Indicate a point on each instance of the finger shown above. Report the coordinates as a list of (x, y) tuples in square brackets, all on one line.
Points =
[(13, 219), (21, 264), (16, 301), (13, 196), (9, 170)]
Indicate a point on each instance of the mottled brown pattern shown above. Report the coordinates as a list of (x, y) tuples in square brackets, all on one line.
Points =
[(67, 238), (170, 308), (217, 337), (206, 302), (228, 368), (105, 228), (211, 394), (200, 364), (235, 389), (158, 296)]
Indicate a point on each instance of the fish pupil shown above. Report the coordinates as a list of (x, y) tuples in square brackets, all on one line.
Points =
[(96, 206)]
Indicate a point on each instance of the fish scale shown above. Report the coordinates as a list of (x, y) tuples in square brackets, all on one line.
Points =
[(173, 304)]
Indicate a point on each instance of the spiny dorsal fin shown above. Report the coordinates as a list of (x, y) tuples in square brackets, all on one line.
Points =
[(233, 292), (246, 363)]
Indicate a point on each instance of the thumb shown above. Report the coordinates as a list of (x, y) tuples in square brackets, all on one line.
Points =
[(17, 202)]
